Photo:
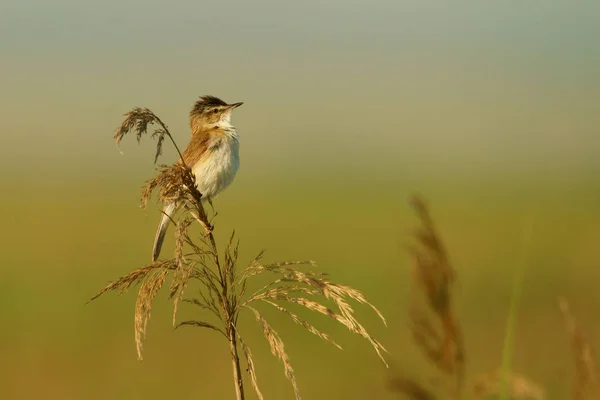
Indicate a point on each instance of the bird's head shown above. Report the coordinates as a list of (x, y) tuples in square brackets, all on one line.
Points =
[(211, 112)]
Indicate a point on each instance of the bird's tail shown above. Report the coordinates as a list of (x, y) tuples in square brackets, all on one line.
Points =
[(162, 229)]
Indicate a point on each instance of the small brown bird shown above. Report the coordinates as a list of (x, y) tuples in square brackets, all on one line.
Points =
[(212, 154)]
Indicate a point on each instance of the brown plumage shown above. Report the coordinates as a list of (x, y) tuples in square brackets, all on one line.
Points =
[(196, 148), (212, 154)]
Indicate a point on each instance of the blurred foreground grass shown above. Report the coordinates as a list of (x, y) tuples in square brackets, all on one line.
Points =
[(61, 242)]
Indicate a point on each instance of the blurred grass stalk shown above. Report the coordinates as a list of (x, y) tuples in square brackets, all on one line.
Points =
[(434, 325), (585, 383), (440, 338), (513, 311)]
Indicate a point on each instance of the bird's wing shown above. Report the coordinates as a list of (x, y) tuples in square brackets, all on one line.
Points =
[(196, 148)]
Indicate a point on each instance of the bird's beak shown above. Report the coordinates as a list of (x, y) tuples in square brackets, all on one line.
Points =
[(235, 105)]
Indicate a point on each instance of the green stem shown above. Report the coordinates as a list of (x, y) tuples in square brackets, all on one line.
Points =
[(511, 323)]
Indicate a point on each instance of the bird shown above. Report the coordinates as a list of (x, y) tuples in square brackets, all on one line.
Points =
[(212, 154)]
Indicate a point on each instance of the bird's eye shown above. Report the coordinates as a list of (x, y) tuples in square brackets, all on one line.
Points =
[(215, 111)]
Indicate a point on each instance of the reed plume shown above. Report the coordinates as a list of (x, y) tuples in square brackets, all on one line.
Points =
[(220, 285), (585, 383)]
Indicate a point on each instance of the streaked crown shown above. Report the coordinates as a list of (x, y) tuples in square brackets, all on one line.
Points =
[(208, 103), (211, 112)]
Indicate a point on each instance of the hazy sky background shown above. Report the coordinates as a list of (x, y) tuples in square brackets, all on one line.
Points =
[(345, 84), (346, 105)]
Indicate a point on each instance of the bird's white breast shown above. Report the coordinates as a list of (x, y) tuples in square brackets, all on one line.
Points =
[(219, 165)]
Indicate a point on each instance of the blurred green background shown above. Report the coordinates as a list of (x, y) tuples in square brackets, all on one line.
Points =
[(489, 110)]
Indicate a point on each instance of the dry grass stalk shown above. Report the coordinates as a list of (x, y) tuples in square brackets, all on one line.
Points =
[(184, 271), (433, 273), (435, 328), (251, 370), (304, 324), (278, 350), (490, 385), (315, 284), (222, 289), (138, 120), (134, 277), (148, 290), (585, 384)]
